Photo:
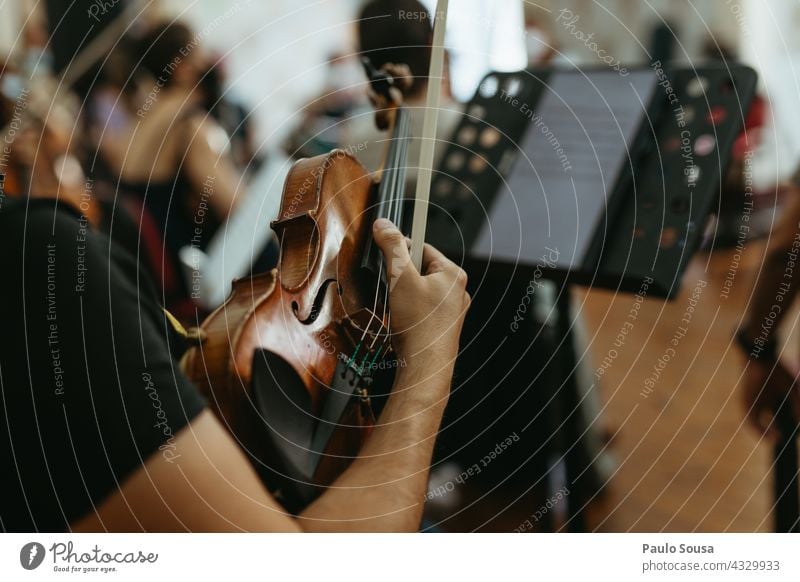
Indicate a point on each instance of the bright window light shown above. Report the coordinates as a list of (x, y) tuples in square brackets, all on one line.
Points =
[(483, 36)]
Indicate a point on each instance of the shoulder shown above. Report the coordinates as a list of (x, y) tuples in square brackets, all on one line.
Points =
[(173, 114), (203, 130), (37, 218)]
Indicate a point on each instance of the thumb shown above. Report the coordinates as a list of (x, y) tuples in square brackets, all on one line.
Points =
[(394, 248)]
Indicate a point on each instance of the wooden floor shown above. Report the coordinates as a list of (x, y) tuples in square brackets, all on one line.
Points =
[(684, 460)]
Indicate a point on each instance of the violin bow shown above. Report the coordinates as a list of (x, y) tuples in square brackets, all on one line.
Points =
[(428, 136)]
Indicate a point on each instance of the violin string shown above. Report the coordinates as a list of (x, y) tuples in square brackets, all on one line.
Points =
[(354, 356), (397, 202), (389, 190), (398, 189), (402, 169), (374, 311), (377, 334), (385, 187), (393, 179), (382, 351)]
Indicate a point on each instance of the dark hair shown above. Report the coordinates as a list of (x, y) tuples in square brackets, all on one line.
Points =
[(162, 48), (6, 108), (718, 51), (397, 31), (6, 104)]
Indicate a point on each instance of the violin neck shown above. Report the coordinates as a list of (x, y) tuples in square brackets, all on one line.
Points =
[(391, 190), (393, 179)]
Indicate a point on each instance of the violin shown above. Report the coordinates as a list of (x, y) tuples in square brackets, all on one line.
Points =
[(292, 361)]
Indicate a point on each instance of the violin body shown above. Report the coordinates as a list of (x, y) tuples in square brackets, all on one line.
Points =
[(309, 314), (292, 360)]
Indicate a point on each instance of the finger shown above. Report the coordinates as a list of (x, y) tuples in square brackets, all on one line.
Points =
[(769, 426), (796, 403), (398, 71), (394, 248), (396, 95), (437, 262), (402, 73), (753, 416), (402, 76), (434, 261), (401, 70), (766, 408)]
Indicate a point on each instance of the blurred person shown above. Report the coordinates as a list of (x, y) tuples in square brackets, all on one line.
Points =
[(387, 34), (320, 129), (230, 115), (769, 384), (100, 432), (110, 109), (174, 164), (539, 44), (38, 161), (37, 157)]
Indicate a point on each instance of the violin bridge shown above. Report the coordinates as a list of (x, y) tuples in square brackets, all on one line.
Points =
[(369, 336)]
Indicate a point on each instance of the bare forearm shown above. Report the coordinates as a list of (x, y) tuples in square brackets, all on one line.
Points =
[(777, 284), (775, 291), (384, 489), (212, 172)]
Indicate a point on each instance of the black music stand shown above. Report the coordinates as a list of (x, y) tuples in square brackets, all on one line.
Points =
[(648, 224), (786, 486)]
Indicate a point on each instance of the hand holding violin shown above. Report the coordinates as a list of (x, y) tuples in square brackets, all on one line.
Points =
[(428, 308)]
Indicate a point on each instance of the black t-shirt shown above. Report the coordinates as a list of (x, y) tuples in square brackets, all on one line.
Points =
[(88, 385)]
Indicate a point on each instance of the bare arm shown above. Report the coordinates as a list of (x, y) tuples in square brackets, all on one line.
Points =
[(209, 166), (212, 486), (762, 319), (390, 476), (767, 383)]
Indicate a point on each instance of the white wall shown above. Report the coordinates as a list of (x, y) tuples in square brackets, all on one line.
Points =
[(275, 51), (9, 25), (624, 27)]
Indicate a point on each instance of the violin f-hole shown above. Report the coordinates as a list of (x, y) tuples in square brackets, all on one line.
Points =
[(316, 306)]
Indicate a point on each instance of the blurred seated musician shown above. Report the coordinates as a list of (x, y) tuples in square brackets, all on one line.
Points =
[(36, 157), (387, 35), (769, 384), (38, 161), (231, 115), (321, 125), (174, 166), (100, 430)]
